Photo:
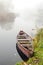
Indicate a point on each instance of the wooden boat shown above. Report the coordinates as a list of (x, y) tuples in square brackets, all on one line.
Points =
[(24, 45)]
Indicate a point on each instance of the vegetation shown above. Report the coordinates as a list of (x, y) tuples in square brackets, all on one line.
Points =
[(37, 59)]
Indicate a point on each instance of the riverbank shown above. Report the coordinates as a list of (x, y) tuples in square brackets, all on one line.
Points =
[(37, 59)]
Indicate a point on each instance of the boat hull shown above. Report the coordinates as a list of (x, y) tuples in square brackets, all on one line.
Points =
[(22, 55)]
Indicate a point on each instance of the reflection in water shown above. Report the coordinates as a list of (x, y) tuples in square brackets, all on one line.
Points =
[(7, 20), (7, 16), (39, 20)]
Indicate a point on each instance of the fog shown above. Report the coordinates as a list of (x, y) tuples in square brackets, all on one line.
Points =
[(10, 24)]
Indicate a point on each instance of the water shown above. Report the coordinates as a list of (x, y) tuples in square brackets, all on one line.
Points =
[(8, 53), (26, 22)]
